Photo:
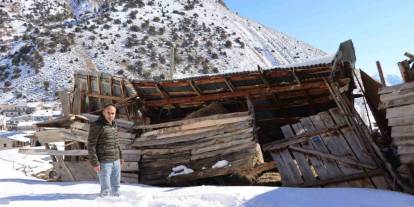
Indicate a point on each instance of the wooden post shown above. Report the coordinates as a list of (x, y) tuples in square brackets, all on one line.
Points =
[(64, 99), (381, 74), (409, 55), (404, 67), (172, 69)]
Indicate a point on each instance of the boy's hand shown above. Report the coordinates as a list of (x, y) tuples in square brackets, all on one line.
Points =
[(122, 161), (97, 168)]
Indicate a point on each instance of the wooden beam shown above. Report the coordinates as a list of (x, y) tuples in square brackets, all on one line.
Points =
[(111, 83), (358, 176), (410, 56), (333, 157), (53, 152), (263, 76), (280, 144), (76, 104), (116, 98), (292, 104), (162, 91), (381, 74), (193, 120), (89, 90), (235, 94), (295, 76), (404, 68), (124, 96), (195, 88), (229, 84), (64, 99), (121, 102)]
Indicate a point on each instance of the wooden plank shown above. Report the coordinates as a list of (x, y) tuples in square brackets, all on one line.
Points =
[(404, 70), (196, 133), (81, 126), (173, 149), (400, 111), (318, 144), (397, 88), (202, 134), (381, 74), (353, 141), (223, 151), (58, 135), (229, 85), (213, 172), (324, 147), (301, 160), (396, 95), (129, 167), (294, 172), (318, 165), (129, 180), (407, 158), (81, 170), (357, 147), (403, 141), (402, 131), (76, 105), (338, 146), (407, 149), (333, 157), (399, 100), (195, 88), (401, 121), (237, 93), (219, 146), (303, 137), (64, 99), (194, 126), (53, 152), (353, 177), (189, 121)]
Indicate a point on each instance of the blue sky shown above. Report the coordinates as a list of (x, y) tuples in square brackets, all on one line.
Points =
[(380, 29)]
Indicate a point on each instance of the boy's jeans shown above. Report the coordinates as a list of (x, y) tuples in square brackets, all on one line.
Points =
[(110, 178)]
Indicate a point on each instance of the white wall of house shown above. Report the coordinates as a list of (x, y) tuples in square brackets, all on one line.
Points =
[(6, 143)]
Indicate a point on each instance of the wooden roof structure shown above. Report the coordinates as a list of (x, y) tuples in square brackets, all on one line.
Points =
[(286, 81), (278, 94), (278, 88)]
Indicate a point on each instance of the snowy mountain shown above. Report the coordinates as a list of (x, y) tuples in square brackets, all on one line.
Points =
[(43, 41), (18, 189), (390, 79)]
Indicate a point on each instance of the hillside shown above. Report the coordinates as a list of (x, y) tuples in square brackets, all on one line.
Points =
[(43, 42)]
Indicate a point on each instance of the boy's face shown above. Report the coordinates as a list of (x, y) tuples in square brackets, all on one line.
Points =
[(109, 113)]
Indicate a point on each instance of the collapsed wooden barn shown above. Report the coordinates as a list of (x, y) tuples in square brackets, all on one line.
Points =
[(295, 119)]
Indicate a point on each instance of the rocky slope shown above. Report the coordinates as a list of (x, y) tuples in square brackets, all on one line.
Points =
[(43, 41)]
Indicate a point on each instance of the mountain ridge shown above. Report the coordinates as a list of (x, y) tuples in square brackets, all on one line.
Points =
[(48, 40)]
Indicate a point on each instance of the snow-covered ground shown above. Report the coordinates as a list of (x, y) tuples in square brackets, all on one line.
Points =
[(17, 189)]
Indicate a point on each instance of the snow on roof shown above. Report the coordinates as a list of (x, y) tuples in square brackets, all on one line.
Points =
[(19, 137), (57, 113), (34, 104), (323, 60), (5, 134), (26, 123), (43, 112)]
